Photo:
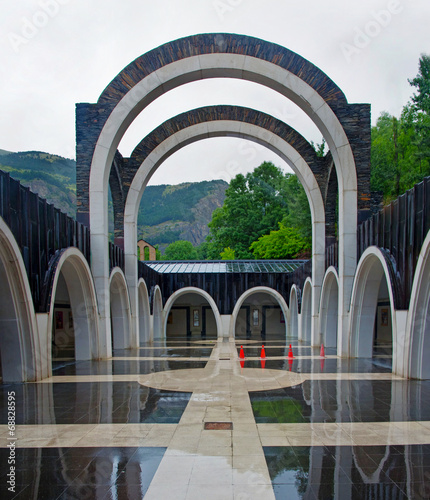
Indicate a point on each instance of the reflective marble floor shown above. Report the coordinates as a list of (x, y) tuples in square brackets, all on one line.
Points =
[(190, 420)]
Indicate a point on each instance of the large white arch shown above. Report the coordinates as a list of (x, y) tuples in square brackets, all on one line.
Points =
[(233, 129), (294, 311), (211, 65), (77, 275), (19, 339), (259, 289), (144, 327), (306, 312), (371, 269), (417, 335), (328, 315), (120, 311), (190, 289)]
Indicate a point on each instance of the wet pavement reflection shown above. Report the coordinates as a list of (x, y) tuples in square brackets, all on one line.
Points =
[(93, 403), (350, 472), (344, 401), (82, 473), (334, 391)]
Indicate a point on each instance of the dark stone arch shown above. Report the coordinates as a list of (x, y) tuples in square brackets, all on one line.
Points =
[(229, 43), (90, 118), (120, 181)]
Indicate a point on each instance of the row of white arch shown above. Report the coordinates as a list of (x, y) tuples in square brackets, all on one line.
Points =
[(26, 336)]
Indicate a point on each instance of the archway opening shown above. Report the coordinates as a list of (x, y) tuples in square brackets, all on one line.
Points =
[(157, 313), (12, 359), (294, 313), (371, 312), (144, 314), (73, 310), (120, 312), (306, 313), (383, 331), (261, 319), (18, 340), (191, 318), (329, 311), (420, 318), (63, 332)]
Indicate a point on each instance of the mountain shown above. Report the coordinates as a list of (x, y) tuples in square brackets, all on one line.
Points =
[(167, 213), (50, 176), (182, 212)]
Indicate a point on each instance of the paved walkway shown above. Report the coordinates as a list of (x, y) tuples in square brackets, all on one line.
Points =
[(224, 444)]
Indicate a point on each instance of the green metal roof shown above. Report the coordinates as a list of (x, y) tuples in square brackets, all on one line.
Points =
[(225, 266)]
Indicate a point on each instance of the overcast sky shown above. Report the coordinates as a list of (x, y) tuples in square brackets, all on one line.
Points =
[(55, 53)]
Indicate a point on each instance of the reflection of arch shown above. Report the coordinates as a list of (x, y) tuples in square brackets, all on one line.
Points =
[(370, 468), (74, 268), (19, 343), (259, 289), (157, 313), (120, 310), (209, 56), (374, 266), (329, 308), (175, 296), (294, 311), (306, 311), (144, 313), (417, 338)]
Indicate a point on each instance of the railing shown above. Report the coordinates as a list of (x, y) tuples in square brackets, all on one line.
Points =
[(116, 257), (300, 275), (39, 228), (400, 228), (332, 256)]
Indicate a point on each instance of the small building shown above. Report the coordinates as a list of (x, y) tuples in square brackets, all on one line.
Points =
[(145, 251)]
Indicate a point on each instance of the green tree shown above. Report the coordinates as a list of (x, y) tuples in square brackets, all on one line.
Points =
[(319, 148), (180, 250), (421, 105), (400, 152), (227, 254), (254, 205), (286, 243), (298, 213)]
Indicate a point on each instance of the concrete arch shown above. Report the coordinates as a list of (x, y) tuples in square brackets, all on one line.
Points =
[(329, 308), (73, 266), (171, 300), (294, 311), (208, 56), (373, 267), (157, 313), (417, 335), (20, 346), (120, 310), (155, 150), (259, 289), (306, 312), (144, 327)]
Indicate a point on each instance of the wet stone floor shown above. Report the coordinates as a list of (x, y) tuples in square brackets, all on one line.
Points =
[(189, 419)]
